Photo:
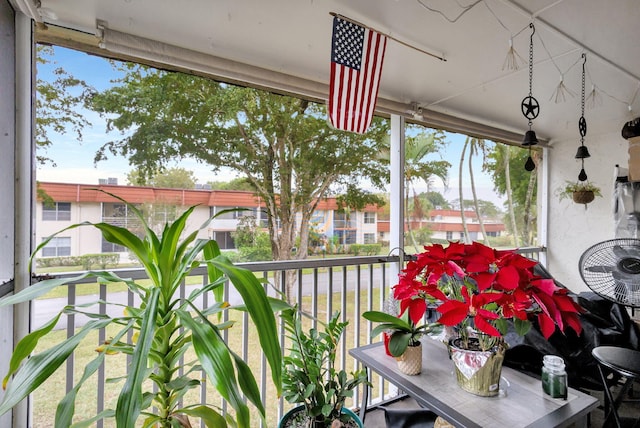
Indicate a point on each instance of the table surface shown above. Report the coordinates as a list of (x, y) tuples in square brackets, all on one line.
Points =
[(521, 402)]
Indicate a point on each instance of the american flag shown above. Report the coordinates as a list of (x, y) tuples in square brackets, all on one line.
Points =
[(356, 67)]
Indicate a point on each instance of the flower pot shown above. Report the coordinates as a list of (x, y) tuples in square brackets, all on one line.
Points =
[(477, 372), (291, 417), (410, 362), (583, 196)]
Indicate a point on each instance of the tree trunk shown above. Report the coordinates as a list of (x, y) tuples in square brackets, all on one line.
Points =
[(533, 178), (462, 216), (473, 151), (408, 215), (507, 179)]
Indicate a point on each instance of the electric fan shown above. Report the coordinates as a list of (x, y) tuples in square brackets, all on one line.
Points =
[(612, 270)]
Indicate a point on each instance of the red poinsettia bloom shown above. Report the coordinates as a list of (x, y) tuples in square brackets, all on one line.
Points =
[(476, 286), (473, 305)]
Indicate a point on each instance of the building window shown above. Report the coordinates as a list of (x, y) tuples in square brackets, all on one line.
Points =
[(56, 211), (345, 237), (449, 236), (369, 218), (110, 247), (224, 240), (246, 212), (369, 238), (57, 247), (232, 215)]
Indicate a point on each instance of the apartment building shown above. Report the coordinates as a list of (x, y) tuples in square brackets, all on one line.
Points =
[(74, 203), (447, 225)]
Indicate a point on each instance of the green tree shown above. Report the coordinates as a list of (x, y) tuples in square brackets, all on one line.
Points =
[(437, 200), (282, 145), (259, 251), (245, 233), (57, 104), (486, 208), (239, 183), (506, 166), (421, 146), (171, 178), (418, 167)]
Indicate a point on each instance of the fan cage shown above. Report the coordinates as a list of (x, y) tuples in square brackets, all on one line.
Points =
[(600, 270)]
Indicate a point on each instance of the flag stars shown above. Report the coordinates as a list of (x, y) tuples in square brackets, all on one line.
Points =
[(347, 44)]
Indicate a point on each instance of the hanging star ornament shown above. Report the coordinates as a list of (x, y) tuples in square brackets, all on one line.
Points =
[(530, 107)]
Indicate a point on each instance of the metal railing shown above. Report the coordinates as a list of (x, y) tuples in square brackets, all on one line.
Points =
[(351, 285)]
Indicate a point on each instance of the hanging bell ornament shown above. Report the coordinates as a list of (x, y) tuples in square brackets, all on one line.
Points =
[(530, 138), (582, 153), (529, 165), (582, 176)]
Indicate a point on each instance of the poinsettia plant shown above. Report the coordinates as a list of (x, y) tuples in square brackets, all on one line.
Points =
[(479, 289)]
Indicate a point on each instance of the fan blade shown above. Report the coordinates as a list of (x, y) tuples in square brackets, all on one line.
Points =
[(629, 280), (600, 269)]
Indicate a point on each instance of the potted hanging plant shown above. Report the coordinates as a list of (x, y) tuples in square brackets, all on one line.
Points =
[(581, 192), (480, 291), (402, 338), (155, 333), (310, 378)]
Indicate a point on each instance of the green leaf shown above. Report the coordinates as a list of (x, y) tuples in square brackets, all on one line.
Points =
[(211, 251), (215, 359), (522, 326), (398, 343), (38, 368), (25, 347), (248, 383), (211, 418), (130, 398), (258, 305), (66, 406), (38, 289), (108, 413)]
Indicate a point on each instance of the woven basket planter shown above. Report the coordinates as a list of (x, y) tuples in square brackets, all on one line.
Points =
[(410, 362), (583, 196)]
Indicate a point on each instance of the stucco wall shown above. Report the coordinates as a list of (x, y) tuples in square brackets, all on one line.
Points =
[(572, 228)]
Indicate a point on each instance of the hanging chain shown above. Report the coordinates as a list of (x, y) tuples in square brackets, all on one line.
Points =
[(531, 58), (529, 105), (584, 55), (582, 123)]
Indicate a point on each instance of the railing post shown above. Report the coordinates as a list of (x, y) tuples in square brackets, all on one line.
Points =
[(396, 198)]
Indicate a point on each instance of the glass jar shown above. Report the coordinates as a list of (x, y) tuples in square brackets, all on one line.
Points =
[(554, 377)]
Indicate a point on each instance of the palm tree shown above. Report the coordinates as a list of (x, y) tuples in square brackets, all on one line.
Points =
[(505, 151), (476, 145), (462, 216), (417, 167)]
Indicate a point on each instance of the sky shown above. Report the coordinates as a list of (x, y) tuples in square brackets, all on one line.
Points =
[(74, 159)]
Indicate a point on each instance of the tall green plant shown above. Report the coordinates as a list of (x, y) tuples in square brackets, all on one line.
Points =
[(157, 334)]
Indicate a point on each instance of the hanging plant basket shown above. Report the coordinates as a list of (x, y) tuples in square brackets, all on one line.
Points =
[(580, 192), (583, 196)]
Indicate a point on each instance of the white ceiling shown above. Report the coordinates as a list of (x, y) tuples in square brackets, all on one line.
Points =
[(294, 37)]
